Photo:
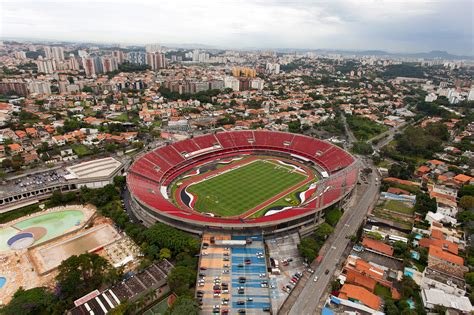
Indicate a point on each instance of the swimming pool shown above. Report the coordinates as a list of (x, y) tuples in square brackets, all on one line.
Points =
[(5, 234), (3, 280), (44, 227)]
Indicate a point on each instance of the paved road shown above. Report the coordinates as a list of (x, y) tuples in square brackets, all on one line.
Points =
[(128, 208), (349, 133), (309, 297)]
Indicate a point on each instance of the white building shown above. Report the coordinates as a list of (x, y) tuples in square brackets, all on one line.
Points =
[(20, 55), (433, 279), (447, 210), (257, 84), (273, 68), (232, 83), (39, 87), (431, 97), (470, 96), (56, 53), (433, 297), (47, 66)]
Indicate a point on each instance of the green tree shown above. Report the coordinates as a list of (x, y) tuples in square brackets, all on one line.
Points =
[(308, 248), (390, 308), (466, 190), (81, 274), (294, 126), (465, 216), (119, 181), (424, 203), (164, 236), (361, 147), (181, 279), (400, 249), (469, 277), (323, 231), (36, 301), (467, 202), (165, 253), (440, 309), (333, 215), (184, 305)]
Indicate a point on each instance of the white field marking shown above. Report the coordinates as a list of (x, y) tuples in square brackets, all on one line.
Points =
[(220, 173)]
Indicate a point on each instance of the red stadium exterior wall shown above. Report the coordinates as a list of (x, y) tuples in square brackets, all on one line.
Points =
[(150, 175)]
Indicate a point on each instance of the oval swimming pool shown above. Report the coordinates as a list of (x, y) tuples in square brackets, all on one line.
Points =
[(3, 280), (55, 223)]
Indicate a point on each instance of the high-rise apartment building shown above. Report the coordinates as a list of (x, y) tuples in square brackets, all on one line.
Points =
[(244, 72), (156, 60), (89, 66), (39, 87), (151, 48), (119, 55), (138, 57), (20, 55), (19, 87), (109, 64), (47, 66), (273, 68), (257, 84), (232, 83), (55, 52), (72, 63)]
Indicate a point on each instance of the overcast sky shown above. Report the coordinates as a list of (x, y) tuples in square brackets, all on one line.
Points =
[(393, 25)]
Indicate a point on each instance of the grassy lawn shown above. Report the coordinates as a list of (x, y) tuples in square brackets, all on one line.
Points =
[(382, 291), (380, 213), (18, 213), (243, 188), (160, 308), (123, 117), (89, 112), (81, 150), (398, 206), (364, 128), (294, 201)]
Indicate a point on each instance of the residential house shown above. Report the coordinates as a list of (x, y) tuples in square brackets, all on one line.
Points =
[(361, 295)]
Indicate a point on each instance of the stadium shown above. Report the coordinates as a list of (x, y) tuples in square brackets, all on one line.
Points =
[(253, 181)]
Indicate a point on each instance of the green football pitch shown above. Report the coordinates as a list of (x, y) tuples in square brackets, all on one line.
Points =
[(242, 189)]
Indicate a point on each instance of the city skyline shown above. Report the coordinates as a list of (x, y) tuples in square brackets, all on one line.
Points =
[(415, 26)]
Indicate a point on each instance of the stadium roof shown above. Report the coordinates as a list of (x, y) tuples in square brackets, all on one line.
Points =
[(93, 169)]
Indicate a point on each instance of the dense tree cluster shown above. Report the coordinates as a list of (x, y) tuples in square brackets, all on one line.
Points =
[(78, 275), (202, 96), (310, 246), (424, 203), (422, 142), (81, 274), (333, 215), (401, 171), (361, 147), (364, 128), (403, 70)]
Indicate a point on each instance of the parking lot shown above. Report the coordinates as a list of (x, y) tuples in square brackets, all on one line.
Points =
[(232, 275), (283, 253), (32, 181)]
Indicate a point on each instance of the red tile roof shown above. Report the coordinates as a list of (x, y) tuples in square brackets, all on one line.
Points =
[(377, 246), (443, 244), (437, 234), (440, 254), (354, 292)]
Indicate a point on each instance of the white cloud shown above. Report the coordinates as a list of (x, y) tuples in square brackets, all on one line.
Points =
[(399, 25)]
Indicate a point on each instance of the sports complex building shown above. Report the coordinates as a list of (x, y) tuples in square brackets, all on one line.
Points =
[(250, 181)]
